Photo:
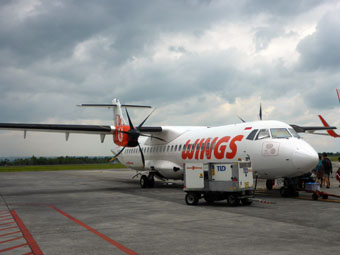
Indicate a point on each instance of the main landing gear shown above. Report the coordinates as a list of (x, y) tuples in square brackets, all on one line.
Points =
[(270, 184), (147, 181), (290, 188)]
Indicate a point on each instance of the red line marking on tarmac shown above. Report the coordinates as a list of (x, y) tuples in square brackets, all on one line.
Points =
[(106, 238), (29, 238), (1, 229), (14, 247), (10, 240), (28, 253), (8, 223), (8, 234)]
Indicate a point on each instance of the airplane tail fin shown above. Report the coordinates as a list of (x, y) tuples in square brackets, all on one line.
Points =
[(117, 110), (330, 131), (121, 126)]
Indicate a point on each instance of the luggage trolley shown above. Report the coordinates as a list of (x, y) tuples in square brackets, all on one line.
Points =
[(232, 181)]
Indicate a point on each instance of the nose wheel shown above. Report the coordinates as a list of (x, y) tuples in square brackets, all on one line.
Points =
[(290, 188)]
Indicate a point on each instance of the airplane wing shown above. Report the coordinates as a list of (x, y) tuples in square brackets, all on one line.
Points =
[(310, 129), (67, 129)]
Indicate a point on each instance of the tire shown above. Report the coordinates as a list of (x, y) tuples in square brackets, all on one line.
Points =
[(144, 182), (315, 196), (269, 184), (246, 201), (233, 200), (151, 182), (191, 198), (284, 192), (324, 196)]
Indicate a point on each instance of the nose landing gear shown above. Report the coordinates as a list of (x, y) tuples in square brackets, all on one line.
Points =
[(290, 188)]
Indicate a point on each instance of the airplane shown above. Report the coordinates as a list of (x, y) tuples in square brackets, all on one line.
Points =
[(274, 148)]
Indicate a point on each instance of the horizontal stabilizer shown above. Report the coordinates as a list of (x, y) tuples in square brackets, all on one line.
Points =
[(113, 105)]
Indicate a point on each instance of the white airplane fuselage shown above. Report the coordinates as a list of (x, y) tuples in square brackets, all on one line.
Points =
[(275, 150)]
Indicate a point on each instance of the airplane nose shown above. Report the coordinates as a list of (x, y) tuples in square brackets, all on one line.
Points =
[(305, 159)]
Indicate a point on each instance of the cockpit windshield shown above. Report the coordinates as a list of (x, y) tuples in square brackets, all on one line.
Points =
[(264, 133), (293, 132), (280, 133)]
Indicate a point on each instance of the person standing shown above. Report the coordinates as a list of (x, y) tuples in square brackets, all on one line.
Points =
[(319, 171), (338, 172), (328, 170)]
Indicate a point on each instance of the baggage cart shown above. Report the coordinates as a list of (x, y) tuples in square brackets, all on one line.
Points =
[(232, 181)]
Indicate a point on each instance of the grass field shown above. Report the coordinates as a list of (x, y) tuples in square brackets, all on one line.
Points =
[(59, 167)]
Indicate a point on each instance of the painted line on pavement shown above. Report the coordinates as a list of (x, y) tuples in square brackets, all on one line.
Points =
[(106, 238), (27, 235)]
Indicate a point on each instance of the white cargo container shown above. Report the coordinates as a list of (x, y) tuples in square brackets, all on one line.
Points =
[(218, 181)]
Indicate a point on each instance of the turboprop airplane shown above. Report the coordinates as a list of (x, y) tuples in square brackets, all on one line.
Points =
[(274, 147)]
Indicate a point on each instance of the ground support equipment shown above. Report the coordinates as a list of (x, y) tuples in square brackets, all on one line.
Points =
[(232, 181)]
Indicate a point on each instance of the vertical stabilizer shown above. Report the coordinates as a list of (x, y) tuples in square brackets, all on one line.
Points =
[(117, 113)]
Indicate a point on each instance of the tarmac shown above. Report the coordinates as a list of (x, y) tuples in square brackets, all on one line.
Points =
[(106, 212)]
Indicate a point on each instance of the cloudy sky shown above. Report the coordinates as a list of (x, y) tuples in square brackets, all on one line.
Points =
[(199, 62)]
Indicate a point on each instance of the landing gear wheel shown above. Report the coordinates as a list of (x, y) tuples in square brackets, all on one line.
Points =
[(284, 191), (324, 196), (233, 200), (191, 198), (315, 196), (151, 181), (269, 184), (246, 201), (144, 181)]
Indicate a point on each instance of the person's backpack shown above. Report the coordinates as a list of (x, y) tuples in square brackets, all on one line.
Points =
[(328, 165)]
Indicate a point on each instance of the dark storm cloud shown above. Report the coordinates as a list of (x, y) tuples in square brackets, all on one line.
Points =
[(321, 50), (280, 8), (38, 71)]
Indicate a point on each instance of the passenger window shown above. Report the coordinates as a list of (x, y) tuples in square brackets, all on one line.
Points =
[(280, 133), (172, 147), (264, 133), (180, 148), (168, 148), (252, 134), (175, 148)]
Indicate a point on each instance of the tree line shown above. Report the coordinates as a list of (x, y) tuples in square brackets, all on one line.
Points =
[(54, 161)]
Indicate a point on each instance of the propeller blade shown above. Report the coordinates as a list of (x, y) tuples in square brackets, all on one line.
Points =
[(241, 119), (141, 152), (260, 114), (153, 137), (141, 124), (130, 123), (115, 156)]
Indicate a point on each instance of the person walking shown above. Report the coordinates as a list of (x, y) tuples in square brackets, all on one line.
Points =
[(328, 170), (338, 172)]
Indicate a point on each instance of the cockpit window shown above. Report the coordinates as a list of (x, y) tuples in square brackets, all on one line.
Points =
[(252, 134), (264, 133), (293, 132), (280, 133)]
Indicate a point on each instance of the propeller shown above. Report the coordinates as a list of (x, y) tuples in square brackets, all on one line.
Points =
[(134, 133), (260, 114)]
